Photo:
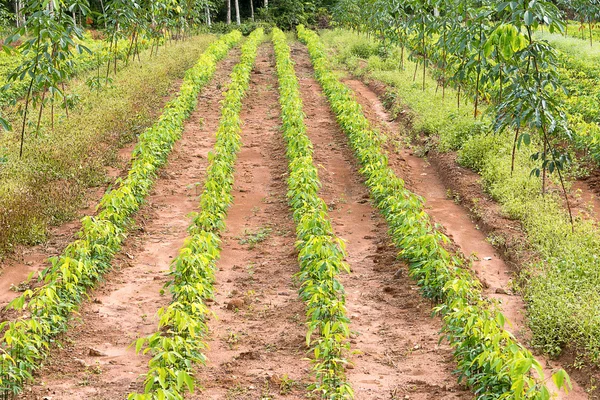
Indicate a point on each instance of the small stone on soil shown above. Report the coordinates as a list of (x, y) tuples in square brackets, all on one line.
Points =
[(235, 303), (96, 353)]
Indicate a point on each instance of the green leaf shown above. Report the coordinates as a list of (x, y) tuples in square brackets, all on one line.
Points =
[(528, 18), (5, 125)]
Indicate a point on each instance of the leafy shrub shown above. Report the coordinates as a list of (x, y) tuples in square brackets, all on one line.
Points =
[(560, 290), (363, 50)]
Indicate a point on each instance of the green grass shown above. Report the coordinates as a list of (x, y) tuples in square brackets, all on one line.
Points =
[(578, 31), (580, 74), (47, 186), (561, 290)]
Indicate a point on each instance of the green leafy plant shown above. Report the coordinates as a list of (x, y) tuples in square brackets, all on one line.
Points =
[(26, 341), (489, 358), (321, 253), (178, 344)]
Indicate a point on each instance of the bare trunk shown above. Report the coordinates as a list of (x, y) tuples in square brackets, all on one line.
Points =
[(228, 12), (237, 12), (104, 13), (37, 130), (208, 21), (252, 10), (266, 3), (18, 13)]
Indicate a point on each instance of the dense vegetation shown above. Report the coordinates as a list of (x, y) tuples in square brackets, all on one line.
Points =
[(177, 346), (25, 342), (489, 358), (320, 253)]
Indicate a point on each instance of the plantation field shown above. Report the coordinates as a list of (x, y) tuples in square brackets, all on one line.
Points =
[(292, 215)]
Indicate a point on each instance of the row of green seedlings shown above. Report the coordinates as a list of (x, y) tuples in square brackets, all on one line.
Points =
[(489, 358), (321, 253), (178, 344), (26, 341)]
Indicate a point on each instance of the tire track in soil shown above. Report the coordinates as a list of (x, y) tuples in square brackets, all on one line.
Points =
[(96, 361), (257, 341), (422, 178), (399, 356)]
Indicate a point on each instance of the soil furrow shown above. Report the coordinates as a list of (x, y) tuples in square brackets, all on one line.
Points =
[(96, 361), (257, 347), (443, 205), (396, 340)]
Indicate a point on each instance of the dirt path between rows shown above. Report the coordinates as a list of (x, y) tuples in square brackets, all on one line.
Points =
[(96, 361), (257, 347), (424, 179), (25, 260), (397, 340)]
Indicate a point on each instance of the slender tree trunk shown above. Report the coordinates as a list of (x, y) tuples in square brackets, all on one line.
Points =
[(65, 98), (52, 107), (266, 3), (104, 13), (228, 12), (18, 13), (416, 69), (131, 44), (252, 10), (237, 12), (424, 54), (402, 57), (544, 169), (590, 26), (25, 117), (137, 49), (514, 152), (41, 112), (208, 21)]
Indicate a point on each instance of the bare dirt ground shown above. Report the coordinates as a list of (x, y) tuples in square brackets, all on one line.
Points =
[(257, 346), (444, 185), (395, 338), (97, 361)]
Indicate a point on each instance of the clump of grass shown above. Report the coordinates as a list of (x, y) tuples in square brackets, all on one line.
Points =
[(252, 238)]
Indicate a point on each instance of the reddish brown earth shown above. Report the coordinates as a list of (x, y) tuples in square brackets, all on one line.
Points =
[(430, 179), (97, 361), (26, 260), (257, 345), (395, 339)]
